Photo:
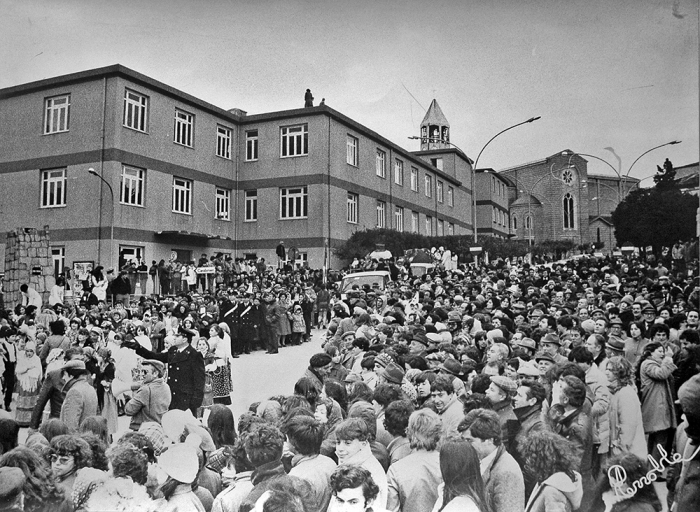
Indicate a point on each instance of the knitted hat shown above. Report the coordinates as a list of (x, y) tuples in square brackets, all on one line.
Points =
[(155, 434), (319, 360), (393, 373), (383, 360), (509, 386)]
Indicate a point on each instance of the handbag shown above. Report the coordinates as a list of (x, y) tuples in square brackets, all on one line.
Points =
[(221, 380)]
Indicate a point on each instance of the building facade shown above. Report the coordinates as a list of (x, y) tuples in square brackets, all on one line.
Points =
[(492, 204), (121, 166)]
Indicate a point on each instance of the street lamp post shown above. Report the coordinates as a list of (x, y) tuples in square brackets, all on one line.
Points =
[(111, 223), (476, 162), (620, 195)]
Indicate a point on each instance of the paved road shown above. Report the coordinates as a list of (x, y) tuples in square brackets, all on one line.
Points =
[(259, 376)]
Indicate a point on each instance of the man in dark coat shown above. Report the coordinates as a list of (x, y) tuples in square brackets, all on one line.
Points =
[(271, 323), (185, 371), (246, 324), (229, 312), (281, 253), (308, 99)]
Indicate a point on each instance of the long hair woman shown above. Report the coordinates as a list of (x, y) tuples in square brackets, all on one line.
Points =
[(550, 459), (40, 490), (463, 487), (223, 432), (625, 412)]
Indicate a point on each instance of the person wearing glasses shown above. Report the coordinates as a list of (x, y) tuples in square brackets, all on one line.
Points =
[(68, 455), (152, 398)]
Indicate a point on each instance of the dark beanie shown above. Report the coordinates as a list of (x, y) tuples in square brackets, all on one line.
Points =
[(319, 360)]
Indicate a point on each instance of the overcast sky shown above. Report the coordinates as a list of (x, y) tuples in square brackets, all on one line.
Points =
[(602, 73)]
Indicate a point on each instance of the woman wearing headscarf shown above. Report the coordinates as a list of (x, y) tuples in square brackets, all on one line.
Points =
[(29, 374)]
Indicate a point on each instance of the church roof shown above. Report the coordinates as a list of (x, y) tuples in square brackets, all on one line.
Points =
[(434, 115)]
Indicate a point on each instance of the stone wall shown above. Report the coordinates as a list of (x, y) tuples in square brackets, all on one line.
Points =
[(27, 260)]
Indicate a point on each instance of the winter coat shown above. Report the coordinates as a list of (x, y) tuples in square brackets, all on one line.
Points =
[(556, 494), (80, 402), (598, 384), (149, 403), (503, 483), (185, 375), (626, 427), (413, 482), (657, 398)]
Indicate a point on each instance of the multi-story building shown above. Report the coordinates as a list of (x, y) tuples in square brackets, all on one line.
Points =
[(492, 204), (121, 166)]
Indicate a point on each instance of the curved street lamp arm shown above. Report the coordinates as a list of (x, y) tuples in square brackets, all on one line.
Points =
[(649, 151), (597, 158), (532, 119), (109, 185)]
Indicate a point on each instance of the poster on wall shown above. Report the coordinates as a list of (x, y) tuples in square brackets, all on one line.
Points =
[(82, 269)]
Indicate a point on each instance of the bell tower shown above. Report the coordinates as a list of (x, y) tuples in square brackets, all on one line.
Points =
[(434, 130)]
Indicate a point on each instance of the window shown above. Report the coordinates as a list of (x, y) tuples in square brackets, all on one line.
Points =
[(398, 172), (53, 188), (135, 110), (223, 204), (428, 185), (353, 201), (128, 253), (514, 223), (493, 214), (398, 219), (529, 224), (440, 192), (569, 211), (131, 190), (437, 162), (251, 145), (294, 203), (184, 128), (414, 222), (450, 196), (294, 141), (450, 229), (440, 227), (352, 151), (57, 114), (381, 163), (223, 142), (302, 260), (182, 196), (414, 179), (428, 226), (58, 258), (251, 205), (381, 214), (493, 184)]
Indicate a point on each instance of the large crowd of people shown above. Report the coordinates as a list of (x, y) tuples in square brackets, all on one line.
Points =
[(498, 388)]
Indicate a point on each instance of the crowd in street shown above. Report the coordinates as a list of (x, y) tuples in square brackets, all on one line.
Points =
[(496, 388)]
